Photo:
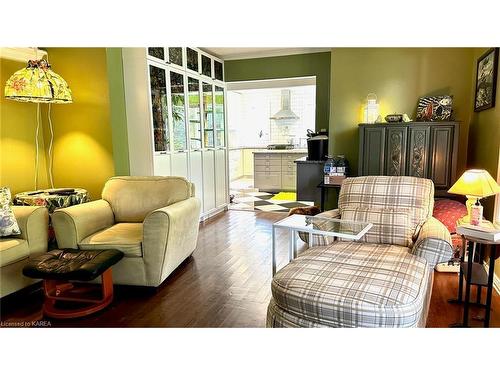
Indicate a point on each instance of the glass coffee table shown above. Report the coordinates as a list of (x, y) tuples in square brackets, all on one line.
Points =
[(346, 229)]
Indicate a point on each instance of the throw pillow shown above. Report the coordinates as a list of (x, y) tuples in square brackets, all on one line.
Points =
[(390, 226), (8, 223)]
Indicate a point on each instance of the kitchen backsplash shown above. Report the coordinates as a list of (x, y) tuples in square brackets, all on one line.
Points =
[(249, 112)]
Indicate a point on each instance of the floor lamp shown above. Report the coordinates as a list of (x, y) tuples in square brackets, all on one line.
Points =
[(37, 83)]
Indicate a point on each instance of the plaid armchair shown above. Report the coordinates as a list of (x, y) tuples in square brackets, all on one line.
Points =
[(383, 280)]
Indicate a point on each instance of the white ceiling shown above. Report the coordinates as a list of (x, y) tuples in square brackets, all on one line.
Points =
[(234, 53)]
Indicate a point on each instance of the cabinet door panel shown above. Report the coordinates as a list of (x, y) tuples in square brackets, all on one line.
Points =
[(373, 152), (192, 60), (219, 119), (159, 108), (180, 164), (395, 151), (220, 178), (267, 181), (289, 181), (161, 165), (196, 174), (208, 180), (440, 155), (178, 101), (175, 56), (194, 113), (218, 71), (418, 151), (208, 118)]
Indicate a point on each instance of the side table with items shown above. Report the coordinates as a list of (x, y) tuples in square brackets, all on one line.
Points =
[(474, 273), (52, 199)]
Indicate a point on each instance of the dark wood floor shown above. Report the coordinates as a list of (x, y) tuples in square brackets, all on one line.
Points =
[(225, 284)]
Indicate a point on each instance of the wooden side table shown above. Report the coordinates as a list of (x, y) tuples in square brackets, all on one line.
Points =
[(474, 273)]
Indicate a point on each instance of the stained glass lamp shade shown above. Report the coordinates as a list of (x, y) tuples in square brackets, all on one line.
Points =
[(37, 83)]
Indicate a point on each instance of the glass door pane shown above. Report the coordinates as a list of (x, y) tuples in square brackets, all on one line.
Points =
[(158, 52), (208, 124), (192, 59), (219, 117), (206, 66), (175, 55), (218, 71), (159, 108), (194, 114), (178, 111)]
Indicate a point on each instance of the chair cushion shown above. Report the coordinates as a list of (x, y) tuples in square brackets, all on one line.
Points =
[(390, 226), (8, 223), (126, 237), (354, 284), (13, 250), (416, 194), (71, 264), (132, 198)]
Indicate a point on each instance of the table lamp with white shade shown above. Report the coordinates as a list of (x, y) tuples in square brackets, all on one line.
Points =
[(475, 184)]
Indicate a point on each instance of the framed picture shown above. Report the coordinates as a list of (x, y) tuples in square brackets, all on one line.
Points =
[(434, 108), (486, 80)]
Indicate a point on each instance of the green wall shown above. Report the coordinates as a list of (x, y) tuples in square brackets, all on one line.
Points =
[(484, 138), (399, 76), (313, 64), (118, 112)]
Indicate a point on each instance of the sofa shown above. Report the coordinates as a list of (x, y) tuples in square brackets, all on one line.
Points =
[(16, 251), (152, 220), (383, 280)]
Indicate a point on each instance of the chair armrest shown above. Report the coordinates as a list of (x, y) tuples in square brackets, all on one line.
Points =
[(320, 240), (433, 242), (34, 224), (73, 224), (332, 214), (170, 235)]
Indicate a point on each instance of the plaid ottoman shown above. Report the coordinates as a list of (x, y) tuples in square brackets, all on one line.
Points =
[(352, 284)]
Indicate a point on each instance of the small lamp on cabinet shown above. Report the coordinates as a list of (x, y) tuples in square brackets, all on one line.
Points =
[(371, 109)]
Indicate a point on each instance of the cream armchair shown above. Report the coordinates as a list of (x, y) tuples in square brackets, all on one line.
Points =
[(153, 220), (15, 251)]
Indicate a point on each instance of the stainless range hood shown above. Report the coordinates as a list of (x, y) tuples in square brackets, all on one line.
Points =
[(285, 113)]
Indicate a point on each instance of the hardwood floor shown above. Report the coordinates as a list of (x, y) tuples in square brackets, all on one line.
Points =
[(225, 284)]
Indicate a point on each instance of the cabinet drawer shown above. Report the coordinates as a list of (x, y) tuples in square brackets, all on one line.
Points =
[(267, 156), (267, 168), (289, 181), (288, 165), (270, 181), (267, 161)]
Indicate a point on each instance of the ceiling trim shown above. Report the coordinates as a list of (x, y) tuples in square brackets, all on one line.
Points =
[(271, 83), (267, 53)]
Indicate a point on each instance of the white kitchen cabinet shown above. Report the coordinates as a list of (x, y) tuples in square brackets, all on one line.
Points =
[(180, 165), (162, 165), (275, 171), (221, 196), (196, 173), (175, 112), (208, 180)]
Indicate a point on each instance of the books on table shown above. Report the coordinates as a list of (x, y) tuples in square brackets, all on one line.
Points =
[(486, 231)]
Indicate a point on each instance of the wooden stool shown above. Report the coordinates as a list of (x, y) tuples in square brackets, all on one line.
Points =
[(57, 267)]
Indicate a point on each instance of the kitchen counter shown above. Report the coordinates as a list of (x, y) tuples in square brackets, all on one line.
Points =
[(303, 160), (292, 151)]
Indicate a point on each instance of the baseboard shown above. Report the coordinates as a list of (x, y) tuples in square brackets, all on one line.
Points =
[(496, 279)]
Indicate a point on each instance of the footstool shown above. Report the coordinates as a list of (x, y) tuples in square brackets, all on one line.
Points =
[(58, 267)]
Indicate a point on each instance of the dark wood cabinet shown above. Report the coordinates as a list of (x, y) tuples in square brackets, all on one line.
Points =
[(420, 149)]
